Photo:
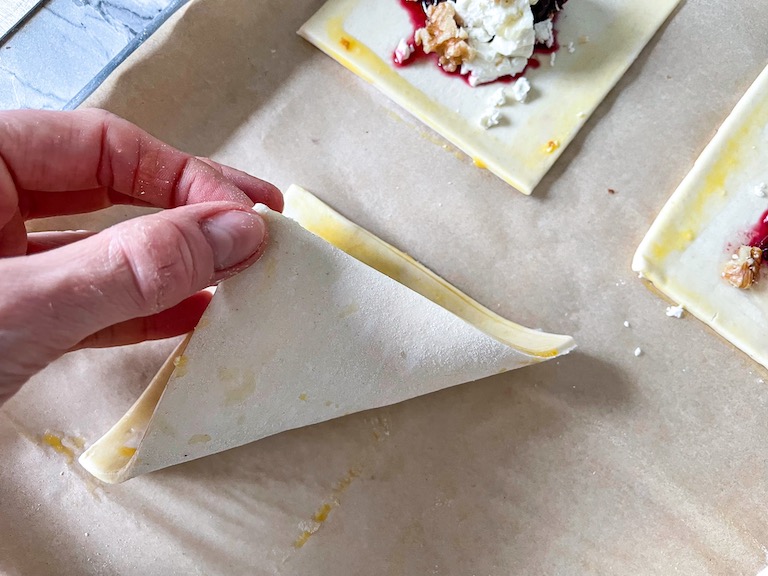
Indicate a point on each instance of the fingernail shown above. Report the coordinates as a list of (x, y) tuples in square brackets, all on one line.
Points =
[(234, 236)]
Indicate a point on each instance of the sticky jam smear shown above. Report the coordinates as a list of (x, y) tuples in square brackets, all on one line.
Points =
[(417, 13), (758, 234)]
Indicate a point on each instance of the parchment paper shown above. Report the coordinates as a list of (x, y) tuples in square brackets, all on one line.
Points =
[(598, 463)]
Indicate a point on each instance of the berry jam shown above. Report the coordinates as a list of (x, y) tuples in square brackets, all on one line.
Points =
[(416, 12), (758, 234)]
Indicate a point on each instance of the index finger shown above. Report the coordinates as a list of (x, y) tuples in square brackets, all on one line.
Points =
[(93, 149)]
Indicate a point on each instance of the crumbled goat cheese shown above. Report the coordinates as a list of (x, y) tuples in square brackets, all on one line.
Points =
[(403, 51), (499, 98), (675, 311), (501, 35), (490, 118), (544, 33), (520, 89)]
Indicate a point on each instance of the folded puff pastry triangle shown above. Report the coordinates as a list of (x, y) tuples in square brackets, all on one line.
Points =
[(307, 334)]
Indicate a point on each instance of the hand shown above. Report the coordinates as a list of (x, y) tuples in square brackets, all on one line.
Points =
[(138, 280)]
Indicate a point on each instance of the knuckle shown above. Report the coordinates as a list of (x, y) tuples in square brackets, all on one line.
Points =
[(100, 114), (184, 180), (215, 166), (158, 260)]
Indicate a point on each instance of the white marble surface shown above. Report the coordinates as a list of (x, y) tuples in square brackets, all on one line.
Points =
[(65, 44), (12, 12)]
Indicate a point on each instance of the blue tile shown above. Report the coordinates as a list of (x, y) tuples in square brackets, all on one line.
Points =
[(56, 54)]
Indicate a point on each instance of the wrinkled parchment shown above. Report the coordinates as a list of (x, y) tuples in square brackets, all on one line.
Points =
[(601, 462)]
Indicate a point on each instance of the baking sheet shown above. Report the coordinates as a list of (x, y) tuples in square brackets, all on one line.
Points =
[(601, 462)]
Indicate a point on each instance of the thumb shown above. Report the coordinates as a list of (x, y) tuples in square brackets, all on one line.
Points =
[(135, 268)]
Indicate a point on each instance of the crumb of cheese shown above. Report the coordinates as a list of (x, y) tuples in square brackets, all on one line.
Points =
[(675, 311), (490, 118), (403, 51), (520, 89), (499, 98)]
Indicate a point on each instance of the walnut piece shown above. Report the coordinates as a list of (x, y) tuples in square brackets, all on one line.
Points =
[(444, 35), (743, 269)]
